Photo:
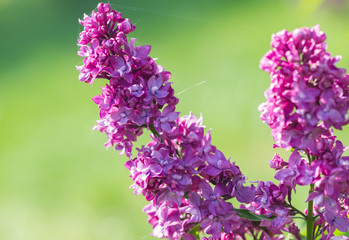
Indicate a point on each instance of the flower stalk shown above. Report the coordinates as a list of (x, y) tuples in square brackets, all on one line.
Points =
[(310, 218)]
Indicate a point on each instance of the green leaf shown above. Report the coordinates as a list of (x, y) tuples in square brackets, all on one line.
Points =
[(247, 214), (186, 195), (195, 230), (346, 234)]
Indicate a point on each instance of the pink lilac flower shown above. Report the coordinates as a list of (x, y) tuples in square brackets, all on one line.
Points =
[(306, 87), (277, 162), (138, 93), (308, 96), (176, 173)]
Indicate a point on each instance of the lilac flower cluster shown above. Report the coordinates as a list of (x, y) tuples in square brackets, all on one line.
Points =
[(138, 94), (308, 95), (306, 89), (187, 180)]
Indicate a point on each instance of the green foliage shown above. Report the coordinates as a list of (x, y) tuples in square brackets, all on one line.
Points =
[(247, 214)]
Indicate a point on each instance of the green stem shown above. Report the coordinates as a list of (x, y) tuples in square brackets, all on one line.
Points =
[(253, 235), (156, 134), (297, 211), (310, 218)]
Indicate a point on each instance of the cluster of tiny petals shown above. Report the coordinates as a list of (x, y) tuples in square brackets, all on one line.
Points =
[(103, 38), (328, 172), (188, 182), (138, 94), (306, 88), (331, 192), (271, 201), (188, 176), (308, 96)]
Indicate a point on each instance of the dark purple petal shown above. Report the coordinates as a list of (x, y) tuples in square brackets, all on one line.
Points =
[(206, 190), (284, 173), (245, 195), (214, 229), (143, 51)]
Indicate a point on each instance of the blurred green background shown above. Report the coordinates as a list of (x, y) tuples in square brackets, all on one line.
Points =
[(57, 181)]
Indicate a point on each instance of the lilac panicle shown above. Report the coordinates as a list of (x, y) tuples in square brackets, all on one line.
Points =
[(186, 179), (308, 96), (138, 94), (178, 172), (306, 89)]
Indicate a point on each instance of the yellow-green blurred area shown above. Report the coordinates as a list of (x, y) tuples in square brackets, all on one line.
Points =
[(57, 181)]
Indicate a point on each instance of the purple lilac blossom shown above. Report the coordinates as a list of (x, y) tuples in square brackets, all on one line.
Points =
[(177, 174), (308, 96), (306, 88), (138, 93)]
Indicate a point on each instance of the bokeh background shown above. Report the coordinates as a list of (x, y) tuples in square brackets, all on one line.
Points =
[(57, 181)]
